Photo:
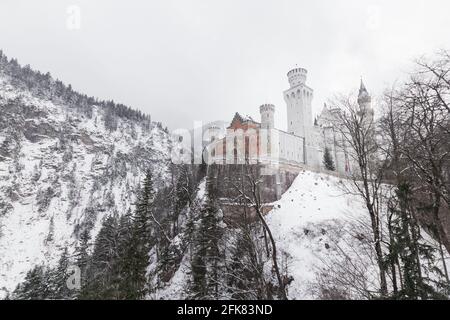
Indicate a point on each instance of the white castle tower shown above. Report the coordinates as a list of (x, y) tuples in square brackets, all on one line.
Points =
[(298, 99), (267, 116)]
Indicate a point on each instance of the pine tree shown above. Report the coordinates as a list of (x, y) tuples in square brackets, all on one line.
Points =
[(328, 160), (406, 248), (102, 267), (183, 192), (134, 269), (245, 272), (35, 285), (126, 254), (82, 257), (59, 278), (207, 258)]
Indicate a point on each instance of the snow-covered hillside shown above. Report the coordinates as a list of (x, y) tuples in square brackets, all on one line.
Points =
[(61, 171), (323, 233), (309, 222)]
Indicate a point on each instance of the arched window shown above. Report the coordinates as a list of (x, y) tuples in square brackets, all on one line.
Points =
[(247, 148)]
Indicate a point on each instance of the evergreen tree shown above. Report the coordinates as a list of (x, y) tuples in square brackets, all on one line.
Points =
[(328, 160), (183, 192), (135, 258), (207, 259), (102, 274), (59, 278), (82, 257), (124, 240), (35, 285), (407, 249), (245, 272)]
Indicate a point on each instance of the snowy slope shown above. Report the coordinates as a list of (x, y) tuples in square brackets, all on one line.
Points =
[(311, 216), (63, 171), (323, 232), (309, 222)]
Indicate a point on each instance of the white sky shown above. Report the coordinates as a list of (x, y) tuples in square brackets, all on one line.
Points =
[(189, 60)]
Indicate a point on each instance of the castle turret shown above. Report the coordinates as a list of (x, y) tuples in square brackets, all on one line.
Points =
[(364, 98), (267, 116), (364, 102), (213, 133), (298, 99)]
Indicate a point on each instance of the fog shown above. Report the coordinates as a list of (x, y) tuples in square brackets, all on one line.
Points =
[(182, 61)]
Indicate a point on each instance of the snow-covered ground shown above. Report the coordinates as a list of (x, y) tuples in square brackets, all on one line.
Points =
[(307, 223)]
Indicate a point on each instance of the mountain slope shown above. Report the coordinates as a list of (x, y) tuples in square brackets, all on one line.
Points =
[(323, 239), (310, 223), (323, 232), (63, 168)]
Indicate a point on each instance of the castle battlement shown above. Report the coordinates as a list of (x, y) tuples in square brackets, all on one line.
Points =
[(267, 107), (297, 76)]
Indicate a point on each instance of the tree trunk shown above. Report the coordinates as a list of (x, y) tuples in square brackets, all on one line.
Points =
[(274, 256)]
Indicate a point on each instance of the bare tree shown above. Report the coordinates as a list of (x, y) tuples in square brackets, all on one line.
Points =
[(250, 192), (423, 152), (358, 134)]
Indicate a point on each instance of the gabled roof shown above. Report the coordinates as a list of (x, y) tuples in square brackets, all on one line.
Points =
[(238, 118)]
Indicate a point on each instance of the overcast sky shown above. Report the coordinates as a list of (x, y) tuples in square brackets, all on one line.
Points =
[(189, 60)]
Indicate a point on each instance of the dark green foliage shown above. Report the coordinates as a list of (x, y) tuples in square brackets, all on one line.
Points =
[(59, 278), (207, 253), (43, 283), (101, 276), (245, 272), (82, 259), (118, 265), (35, 286), (408, 251), (136, 246)]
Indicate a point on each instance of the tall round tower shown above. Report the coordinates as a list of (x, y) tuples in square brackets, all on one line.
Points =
[(298, 100), (267, 116)]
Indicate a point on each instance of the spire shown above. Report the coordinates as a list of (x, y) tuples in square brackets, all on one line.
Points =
[(363, 96), (362, 87)]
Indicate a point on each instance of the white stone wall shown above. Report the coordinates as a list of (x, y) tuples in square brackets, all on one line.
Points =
[(291, 147)]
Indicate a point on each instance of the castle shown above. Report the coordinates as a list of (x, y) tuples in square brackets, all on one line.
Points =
[(302, 145)]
